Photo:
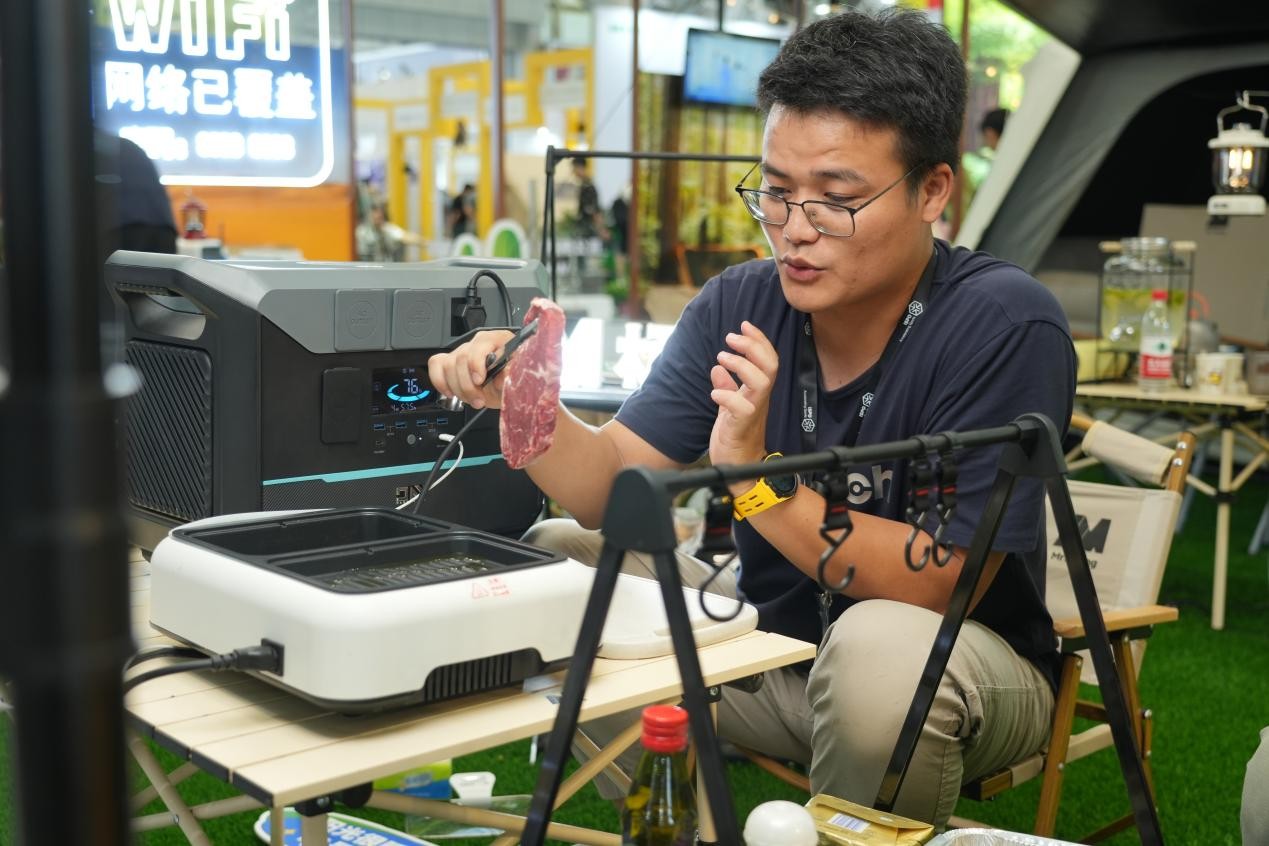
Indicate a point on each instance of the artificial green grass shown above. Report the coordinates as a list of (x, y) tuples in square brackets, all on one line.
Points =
[(1209, 692)]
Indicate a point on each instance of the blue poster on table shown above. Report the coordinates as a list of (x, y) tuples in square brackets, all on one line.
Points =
[(341, 830)]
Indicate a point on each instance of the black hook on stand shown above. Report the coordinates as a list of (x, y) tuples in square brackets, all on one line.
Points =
[(921, 498), (835, 488), (716, 540), (945, 501)]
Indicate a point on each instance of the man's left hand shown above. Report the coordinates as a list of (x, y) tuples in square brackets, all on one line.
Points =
[(739, 434)]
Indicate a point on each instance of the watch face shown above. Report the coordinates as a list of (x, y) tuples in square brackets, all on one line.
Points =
[(783, 485)]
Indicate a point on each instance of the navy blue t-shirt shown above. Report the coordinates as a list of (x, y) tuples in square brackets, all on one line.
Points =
[(991, 345)]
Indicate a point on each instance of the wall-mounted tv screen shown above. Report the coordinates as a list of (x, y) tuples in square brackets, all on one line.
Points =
[(723, 68)]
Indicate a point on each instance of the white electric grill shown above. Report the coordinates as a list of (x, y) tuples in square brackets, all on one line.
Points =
[(374, 608)]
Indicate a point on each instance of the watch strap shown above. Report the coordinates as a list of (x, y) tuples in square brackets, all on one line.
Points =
[(758, 498)]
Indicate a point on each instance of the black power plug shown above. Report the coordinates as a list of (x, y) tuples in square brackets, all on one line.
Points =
[(467, 314)]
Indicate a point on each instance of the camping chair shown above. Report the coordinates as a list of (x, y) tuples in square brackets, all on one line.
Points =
[(1127, 535)]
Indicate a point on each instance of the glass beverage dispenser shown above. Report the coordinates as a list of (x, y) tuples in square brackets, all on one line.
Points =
[(1134, 269)]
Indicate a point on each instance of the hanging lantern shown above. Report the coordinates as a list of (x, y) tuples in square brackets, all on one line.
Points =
[(1238, 162)]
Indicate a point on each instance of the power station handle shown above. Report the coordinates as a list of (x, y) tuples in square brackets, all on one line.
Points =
[(174, 316)]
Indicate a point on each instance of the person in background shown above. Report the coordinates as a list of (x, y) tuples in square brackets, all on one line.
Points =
[(862, 329), (977, 164), (142, 218), (462, 211), (377, 239), (134, 213), (619, 229), (590, 215)]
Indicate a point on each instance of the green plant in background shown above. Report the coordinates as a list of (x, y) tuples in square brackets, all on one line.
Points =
[(1000, 42)]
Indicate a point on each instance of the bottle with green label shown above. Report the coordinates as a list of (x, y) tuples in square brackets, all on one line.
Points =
[(660, 809)]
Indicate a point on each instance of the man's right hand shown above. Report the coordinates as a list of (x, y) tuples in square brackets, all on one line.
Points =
[(461, 373)]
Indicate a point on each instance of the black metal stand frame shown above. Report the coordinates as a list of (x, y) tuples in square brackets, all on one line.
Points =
[(64, 627), (637, 519), (555, 155)]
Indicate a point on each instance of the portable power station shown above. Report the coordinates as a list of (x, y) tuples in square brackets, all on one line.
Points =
[(271, 385)]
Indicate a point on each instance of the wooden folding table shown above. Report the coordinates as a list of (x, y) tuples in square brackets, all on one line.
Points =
[(279, 750), (1230, 416)]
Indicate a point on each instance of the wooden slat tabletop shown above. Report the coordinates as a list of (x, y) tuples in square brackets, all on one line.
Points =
[(281, 749), (1124, 392)]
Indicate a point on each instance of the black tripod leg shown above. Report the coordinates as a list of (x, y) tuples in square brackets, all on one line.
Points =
[(694, 696), (557, 750), (945, 640), (1117, 714)]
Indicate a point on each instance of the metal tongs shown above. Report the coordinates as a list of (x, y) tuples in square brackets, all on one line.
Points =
[(495, 363)]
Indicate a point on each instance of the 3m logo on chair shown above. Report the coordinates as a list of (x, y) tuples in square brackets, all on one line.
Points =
[(1094, 538)]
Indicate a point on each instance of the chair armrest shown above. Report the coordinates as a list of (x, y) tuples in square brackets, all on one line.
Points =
[(1118, 620)]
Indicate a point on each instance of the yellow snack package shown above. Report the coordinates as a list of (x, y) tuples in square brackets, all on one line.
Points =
[(842, 823)]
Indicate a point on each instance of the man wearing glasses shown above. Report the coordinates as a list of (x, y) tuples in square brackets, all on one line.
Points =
[(862, 328)]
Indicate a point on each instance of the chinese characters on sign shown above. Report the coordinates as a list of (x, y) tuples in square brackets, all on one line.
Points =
[(216, 91)]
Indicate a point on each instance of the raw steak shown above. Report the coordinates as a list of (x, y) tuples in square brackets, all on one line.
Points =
[(531, 392)]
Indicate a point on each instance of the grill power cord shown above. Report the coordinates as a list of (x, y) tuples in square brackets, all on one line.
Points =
[(266, 656)]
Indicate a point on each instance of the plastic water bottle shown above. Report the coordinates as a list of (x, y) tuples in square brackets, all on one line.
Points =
[(1154, 372)]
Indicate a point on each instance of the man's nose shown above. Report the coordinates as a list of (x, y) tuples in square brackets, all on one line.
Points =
[(798, 227)]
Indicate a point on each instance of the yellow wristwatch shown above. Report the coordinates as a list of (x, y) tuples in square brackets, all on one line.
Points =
[(766, 492)]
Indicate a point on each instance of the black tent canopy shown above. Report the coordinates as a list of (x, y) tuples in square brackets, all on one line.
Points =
[(1161, 67)]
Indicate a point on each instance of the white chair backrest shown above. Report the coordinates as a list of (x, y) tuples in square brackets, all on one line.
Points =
[(1127, 531)]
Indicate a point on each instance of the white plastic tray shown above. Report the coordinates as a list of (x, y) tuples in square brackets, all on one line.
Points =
[(638, 628)]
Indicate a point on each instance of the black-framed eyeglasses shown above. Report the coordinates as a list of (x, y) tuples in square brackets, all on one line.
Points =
[(830, 218)]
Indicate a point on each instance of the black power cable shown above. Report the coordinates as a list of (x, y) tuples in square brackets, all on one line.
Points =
[(473, 300), (440, 459), (266, 656), (163, 652)]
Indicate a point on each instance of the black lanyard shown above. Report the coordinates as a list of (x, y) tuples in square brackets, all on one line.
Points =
[(809, 366), (809, 384)]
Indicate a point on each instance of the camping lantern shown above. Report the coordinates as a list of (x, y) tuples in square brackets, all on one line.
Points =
[(1238, 162)]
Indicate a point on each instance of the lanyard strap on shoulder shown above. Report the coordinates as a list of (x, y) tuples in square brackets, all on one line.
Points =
[(809, 366)]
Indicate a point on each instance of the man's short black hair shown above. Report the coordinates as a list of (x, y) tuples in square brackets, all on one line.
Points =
[(578, 161), (995, 119), (897, 69)]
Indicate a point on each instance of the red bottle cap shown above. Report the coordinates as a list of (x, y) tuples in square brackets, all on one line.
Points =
[(1159, 294), (664, 728)]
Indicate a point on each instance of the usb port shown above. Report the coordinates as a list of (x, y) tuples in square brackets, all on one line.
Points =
[(378, 427), (442, 421), (421, 423), (400, 424)]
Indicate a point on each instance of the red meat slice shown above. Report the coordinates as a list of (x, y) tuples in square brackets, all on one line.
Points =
[(531, 391)]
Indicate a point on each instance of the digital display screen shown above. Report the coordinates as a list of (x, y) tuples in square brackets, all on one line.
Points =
[(723, 68), (400, 390), (222, 92)]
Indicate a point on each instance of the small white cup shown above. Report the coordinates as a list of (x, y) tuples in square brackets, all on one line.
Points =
[(474, 788), (1218, 372), (689, 528)]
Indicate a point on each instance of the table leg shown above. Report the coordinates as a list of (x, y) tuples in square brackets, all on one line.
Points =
[(183, 817), (708, 832), (277, 826), (313, 831), (1223, 492)]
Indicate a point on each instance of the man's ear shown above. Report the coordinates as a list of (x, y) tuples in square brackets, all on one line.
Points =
[(936, 192)]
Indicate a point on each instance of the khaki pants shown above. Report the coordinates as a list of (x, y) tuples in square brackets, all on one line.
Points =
[(991, 709)]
